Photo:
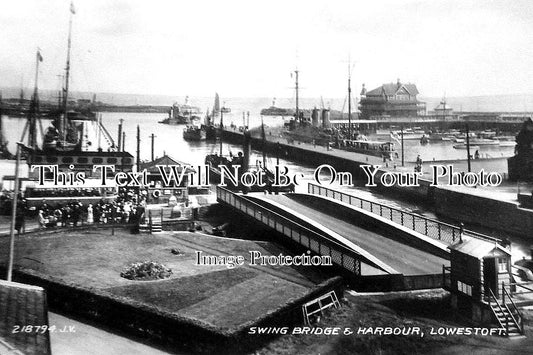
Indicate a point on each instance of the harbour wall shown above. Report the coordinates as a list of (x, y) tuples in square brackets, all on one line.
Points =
[(456, 205), (487, 212)]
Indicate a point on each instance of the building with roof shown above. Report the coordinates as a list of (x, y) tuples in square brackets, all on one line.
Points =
[(159, 192), (391, 100), (481, 284)]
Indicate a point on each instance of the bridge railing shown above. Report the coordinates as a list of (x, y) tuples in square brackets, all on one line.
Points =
[(323, 245), (434, 229)]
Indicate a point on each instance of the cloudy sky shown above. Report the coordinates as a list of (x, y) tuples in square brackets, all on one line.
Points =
[(249, 48)]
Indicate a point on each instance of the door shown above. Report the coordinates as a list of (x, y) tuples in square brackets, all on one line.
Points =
[(490, 276)]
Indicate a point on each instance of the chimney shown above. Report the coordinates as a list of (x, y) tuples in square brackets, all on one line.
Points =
[(398, 83)]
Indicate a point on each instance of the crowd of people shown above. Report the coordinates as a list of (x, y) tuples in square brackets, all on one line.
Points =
[(127, 207)]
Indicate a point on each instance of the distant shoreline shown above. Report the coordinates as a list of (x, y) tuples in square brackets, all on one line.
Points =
[(476, 103)]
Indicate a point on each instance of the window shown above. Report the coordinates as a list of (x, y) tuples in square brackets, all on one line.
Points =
[(464, 288), (502, 265)]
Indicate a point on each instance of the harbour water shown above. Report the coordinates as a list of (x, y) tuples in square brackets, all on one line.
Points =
[(169, 140)]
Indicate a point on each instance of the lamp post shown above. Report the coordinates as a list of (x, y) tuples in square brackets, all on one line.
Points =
[(13, 217), (468, 147), (403, 155)]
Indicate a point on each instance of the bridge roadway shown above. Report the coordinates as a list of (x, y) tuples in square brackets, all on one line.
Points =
[(403, 258)]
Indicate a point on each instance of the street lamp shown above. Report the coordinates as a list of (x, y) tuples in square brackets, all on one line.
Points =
[(13, 217)]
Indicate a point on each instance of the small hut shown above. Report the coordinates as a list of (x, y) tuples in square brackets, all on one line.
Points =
[(159, 193), (478, 271)]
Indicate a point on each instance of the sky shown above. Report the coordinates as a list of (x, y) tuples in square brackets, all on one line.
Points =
[(250, 48)]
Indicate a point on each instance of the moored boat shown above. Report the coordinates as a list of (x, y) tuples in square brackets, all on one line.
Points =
[(375, 148), (482, 141), (464, 146), (182, 114), (194, 133), (65, 142)]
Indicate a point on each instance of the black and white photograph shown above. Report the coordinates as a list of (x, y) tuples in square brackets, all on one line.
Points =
[(266, 178)]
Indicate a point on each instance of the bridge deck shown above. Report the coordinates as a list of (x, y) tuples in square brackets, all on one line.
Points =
[(403, 258)]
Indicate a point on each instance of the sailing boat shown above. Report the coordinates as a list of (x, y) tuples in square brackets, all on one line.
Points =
[(4, 152), (270, 177), (216, 106), (209, 126), (64, 141)]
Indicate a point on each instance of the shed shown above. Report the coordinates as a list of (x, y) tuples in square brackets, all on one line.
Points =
[(479, 267), (159, 192)]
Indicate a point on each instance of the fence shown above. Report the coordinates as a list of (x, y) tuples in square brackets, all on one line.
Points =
[(323, 245), (441, 231)]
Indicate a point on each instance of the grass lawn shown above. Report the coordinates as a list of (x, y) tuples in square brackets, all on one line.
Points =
[(222, 297)]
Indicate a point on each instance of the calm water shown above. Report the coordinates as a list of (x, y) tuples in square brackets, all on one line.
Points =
[(168, 140)]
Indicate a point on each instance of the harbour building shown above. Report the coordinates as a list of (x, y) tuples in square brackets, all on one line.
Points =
[(391, 100)]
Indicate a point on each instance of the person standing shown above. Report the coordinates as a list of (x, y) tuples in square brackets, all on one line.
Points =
[(90, 216), (20, 220)]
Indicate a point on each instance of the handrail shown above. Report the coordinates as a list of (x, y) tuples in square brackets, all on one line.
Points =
[(317, 237), (296, 224), (521, 284), (520, 326), (455, 231), (501, 309)]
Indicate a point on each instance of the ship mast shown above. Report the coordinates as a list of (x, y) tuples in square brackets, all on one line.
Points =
[(33, 110), (1, 128), (263, 139), (34, 105), (349, 101), (296, 88), (221, 129), (67, 75)]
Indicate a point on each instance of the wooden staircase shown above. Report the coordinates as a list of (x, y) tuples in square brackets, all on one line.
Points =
[(154, 225), (507, 315)]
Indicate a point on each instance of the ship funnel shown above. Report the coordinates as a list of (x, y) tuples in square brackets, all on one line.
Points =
[(325, 119), (314, 117)]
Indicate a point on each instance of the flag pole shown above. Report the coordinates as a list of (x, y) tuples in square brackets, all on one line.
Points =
[(13, 217)]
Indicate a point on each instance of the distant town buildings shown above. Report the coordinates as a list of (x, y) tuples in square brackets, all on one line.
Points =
[(391, 100)]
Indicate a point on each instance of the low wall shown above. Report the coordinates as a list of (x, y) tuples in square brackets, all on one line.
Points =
[(371, 221), (399, 282), (486, 212)]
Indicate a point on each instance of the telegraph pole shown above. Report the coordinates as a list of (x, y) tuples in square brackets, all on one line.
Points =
[(152, 136), (123, 141), (403, 155), (138, 148), (13, 217), (468, 147), (120, 134)]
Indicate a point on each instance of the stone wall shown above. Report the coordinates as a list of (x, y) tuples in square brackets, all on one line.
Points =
[(483, 211)]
